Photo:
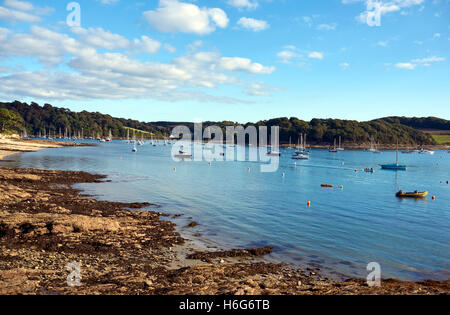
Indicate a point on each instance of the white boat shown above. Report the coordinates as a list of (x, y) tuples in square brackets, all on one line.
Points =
[(301, 147), (134, 148), (109, 139), (426, 152), (373, 148), (300, 156), (340, 148), (273, 153), (183, 155)]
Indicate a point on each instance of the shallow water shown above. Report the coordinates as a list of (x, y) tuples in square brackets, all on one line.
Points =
[(342, 231)]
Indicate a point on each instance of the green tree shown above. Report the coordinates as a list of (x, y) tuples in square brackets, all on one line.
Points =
[(10, 121)]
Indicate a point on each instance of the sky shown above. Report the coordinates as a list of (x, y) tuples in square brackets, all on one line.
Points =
[(238, 60)]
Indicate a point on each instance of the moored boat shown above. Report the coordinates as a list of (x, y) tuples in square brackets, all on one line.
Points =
[(416, 194), (395, 166), (426, 152), (273, 153)]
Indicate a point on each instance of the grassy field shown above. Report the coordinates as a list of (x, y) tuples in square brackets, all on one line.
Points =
[(442, 139), (139, 131)]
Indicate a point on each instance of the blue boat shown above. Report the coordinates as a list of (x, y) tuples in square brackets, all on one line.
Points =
[(394, 166)]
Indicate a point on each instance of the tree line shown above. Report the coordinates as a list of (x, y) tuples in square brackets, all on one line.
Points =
[(39, 119)]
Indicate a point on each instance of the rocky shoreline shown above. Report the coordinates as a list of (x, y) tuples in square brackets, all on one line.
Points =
[(126, 248)]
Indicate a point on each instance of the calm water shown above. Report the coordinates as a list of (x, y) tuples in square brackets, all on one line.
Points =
[(342, 231)]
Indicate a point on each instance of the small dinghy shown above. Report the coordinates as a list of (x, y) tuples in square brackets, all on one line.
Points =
[(416, 194)]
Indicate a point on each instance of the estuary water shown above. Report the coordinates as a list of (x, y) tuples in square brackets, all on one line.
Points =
[(237, 206)]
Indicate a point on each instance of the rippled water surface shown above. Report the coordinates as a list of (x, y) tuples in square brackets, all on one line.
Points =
[(238, 206)]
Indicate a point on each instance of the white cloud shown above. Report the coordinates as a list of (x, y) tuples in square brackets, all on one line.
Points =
[(244, 64), (344, 65), (429, 59), (99, 38), (327, 27), (114, 75), (147, 45), (426, 62), (243, 4), (173, 16), (291, 53), (15, 15), (19, 5), (405, 65), (252, 24), (315, 55), (385, 6), (259, 89), (22, 11), (287, 55)]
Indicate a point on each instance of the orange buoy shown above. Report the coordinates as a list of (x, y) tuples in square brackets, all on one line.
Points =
[(309, 203), (434, 197), (174, 169)]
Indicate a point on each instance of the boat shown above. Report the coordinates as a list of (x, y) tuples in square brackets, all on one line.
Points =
[(373, 148), (340, 148), (300, 156), (334, 150), (426, 152), (134, 148), (273, 153), (301, 147), (416, 194), (327, 186), (301, 153), (396, 165), (109, 139), (183, 155)]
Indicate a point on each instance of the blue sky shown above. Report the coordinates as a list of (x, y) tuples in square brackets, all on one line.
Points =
[(239, 60)]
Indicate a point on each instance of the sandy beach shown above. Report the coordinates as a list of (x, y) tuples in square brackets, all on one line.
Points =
[(131, 248), (10, 145)]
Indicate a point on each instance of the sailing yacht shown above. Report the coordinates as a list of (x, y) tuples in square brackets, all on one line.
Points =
[(183, 154), (134, 142), (334, 150), (395, 166), (340, 148), (373, 148), (301, 153), (141, 142), (109, 139)]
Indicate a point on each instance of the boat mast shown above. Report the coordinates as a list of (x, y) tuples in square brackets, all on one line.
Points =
[(396, 159)]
